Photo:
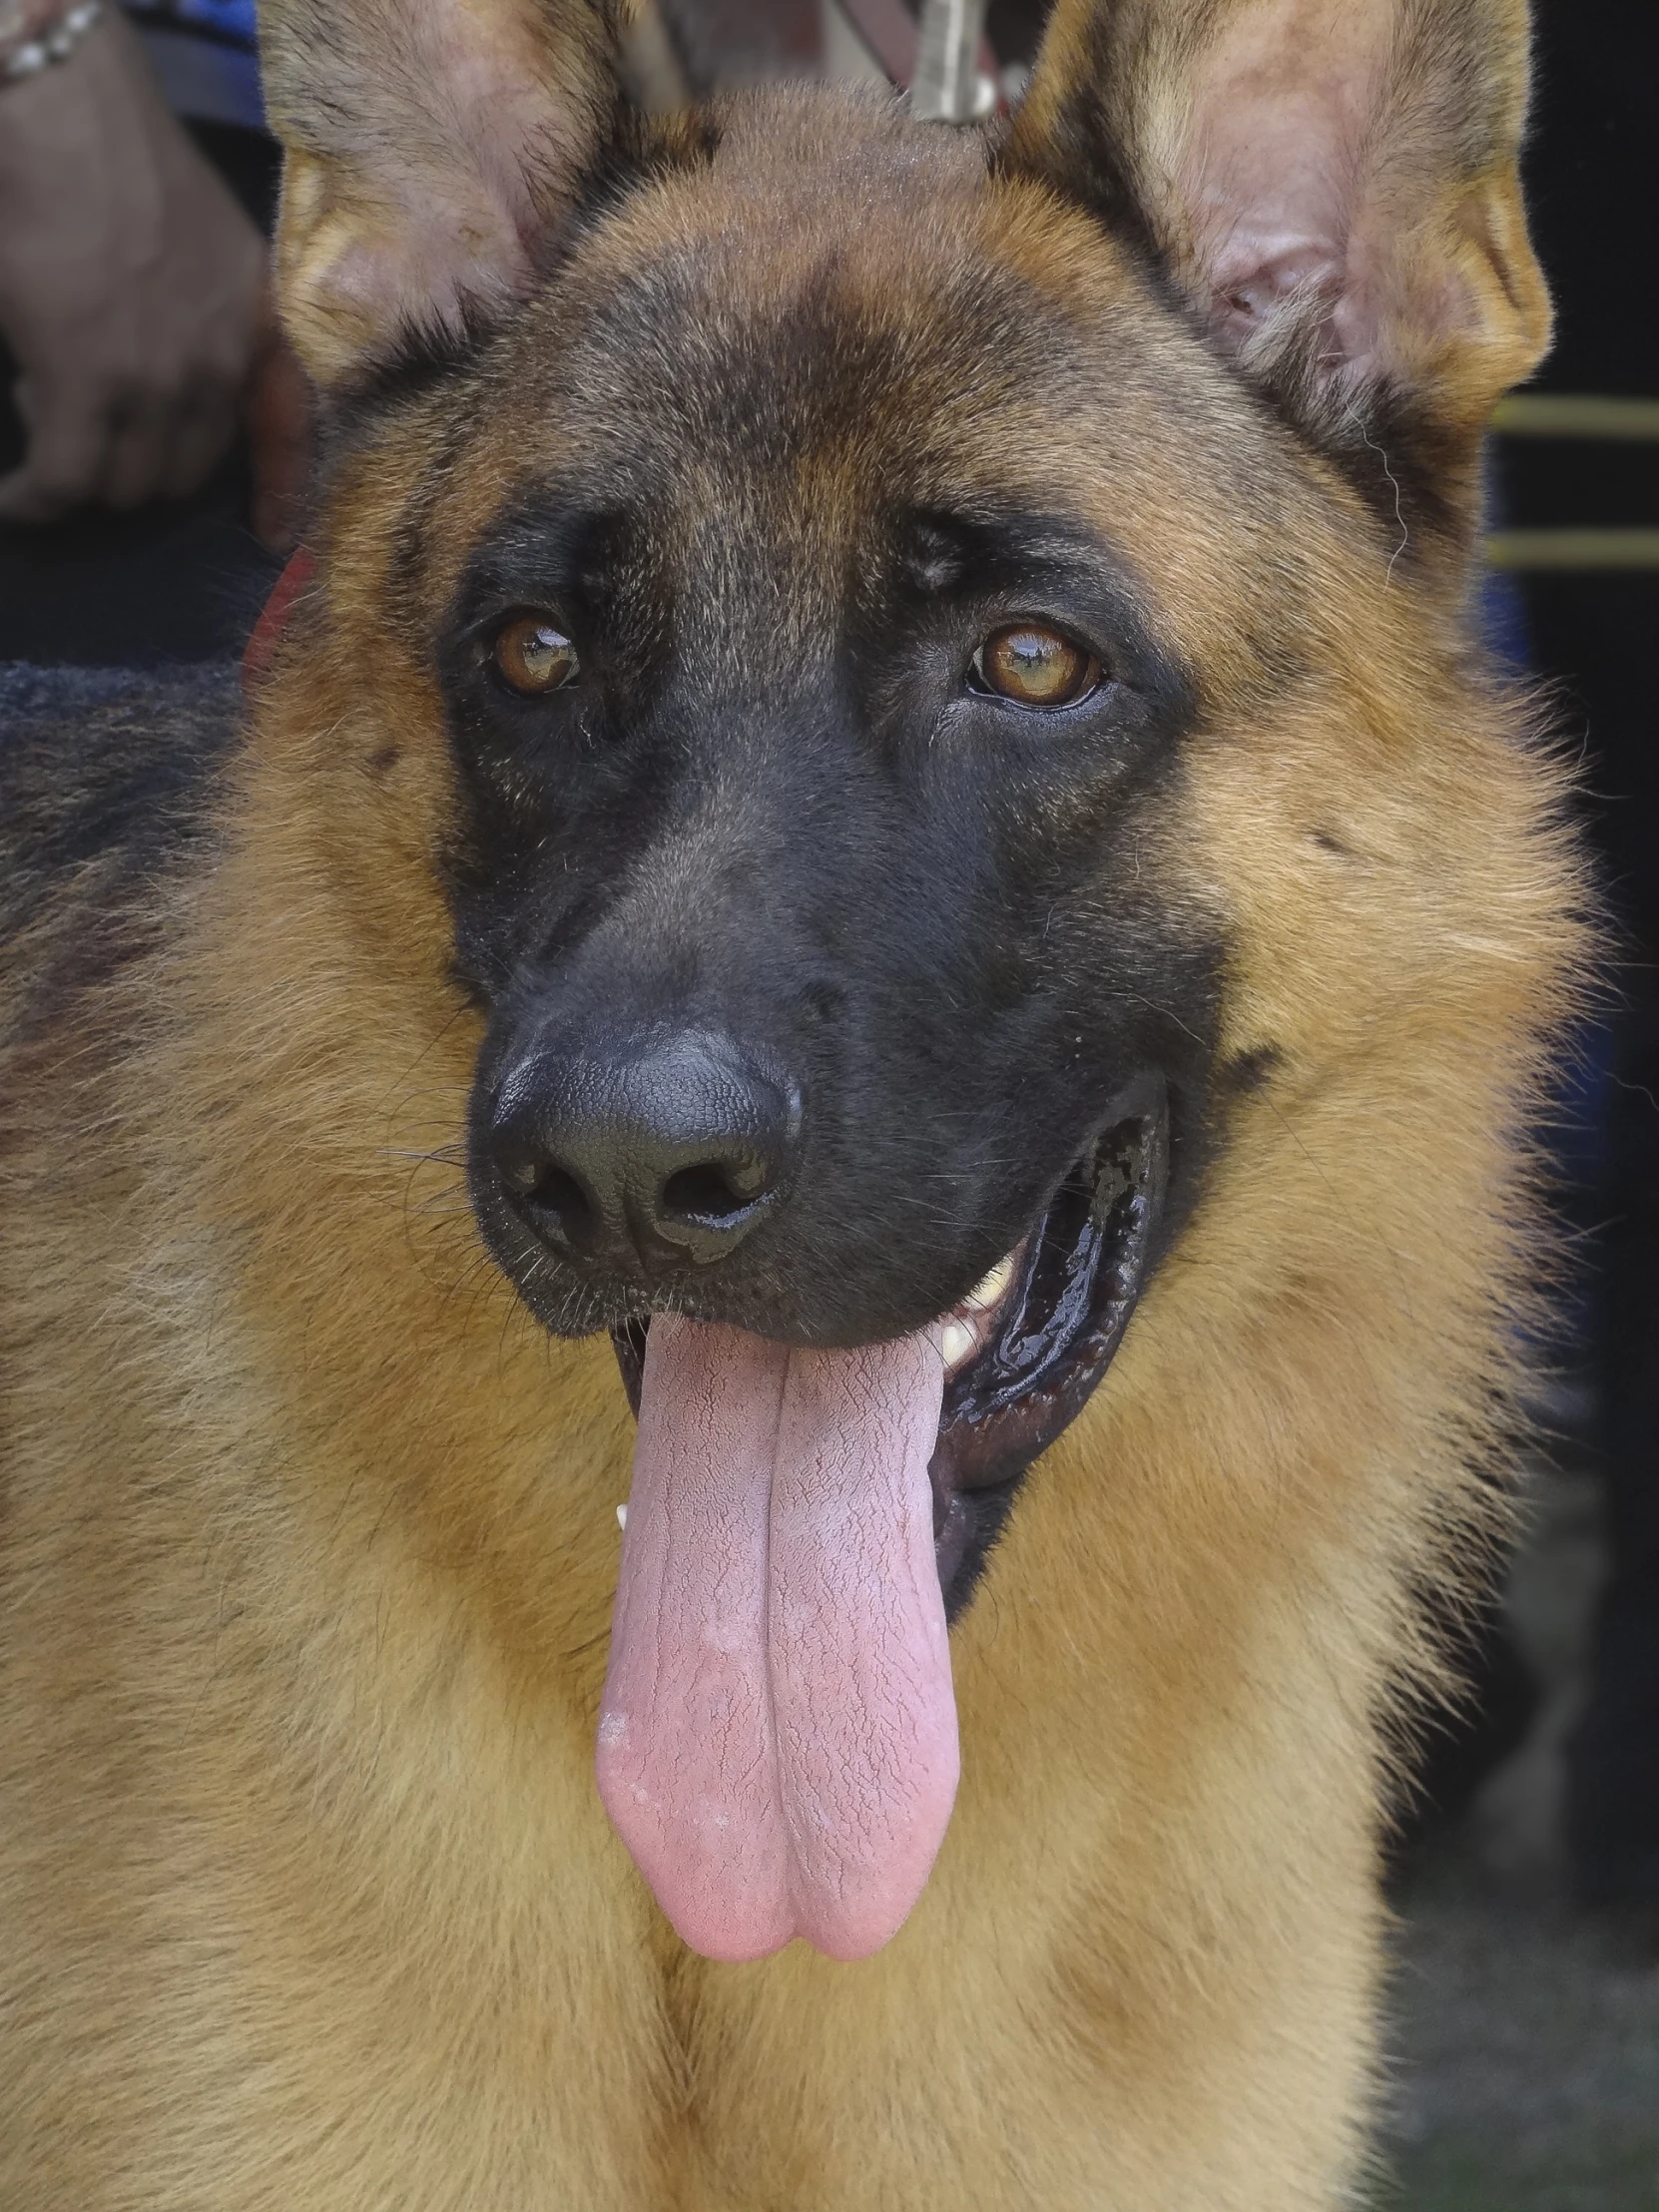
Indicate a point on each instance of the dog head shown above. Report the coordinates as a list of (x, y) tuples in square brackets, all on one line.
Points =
[(822, 533), (828, 580)]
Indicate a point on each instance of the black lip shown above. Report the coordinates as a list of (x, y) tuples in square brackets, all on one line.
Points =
[(1085, 1263), (1084, 1267)]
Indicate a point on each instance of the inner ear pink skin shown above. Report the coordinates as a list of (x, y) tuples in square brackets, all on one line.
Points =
[(1274, 167), (1253, 275), (428, 181), (428, 268)]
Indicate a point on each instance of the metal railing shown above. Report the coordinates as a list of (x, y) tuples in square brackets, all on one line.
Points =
[(1548, 415)]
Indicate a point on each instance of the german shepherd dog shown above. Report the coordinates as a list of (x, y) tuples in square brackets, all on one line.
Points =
[(881, 831)]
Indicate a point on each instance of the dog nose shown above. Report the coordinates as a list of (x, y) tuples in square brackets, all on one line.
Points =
[(650, 1155)]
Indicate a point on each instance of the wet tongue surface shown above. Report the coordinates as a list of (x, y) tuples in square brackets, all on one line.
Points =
[(778, 1735)]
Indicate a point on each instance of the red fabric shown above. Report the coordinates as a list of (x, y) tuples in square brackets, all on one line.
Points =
[(261, 649)]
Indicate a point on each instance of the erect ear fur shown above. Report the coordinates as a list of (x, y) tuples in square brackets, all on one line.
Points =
[(432, 145), (1331, 182)]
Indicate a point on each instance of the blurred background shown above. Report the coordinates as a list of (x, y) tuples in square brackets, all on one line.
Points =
[(154, 437), (1528, 1995)]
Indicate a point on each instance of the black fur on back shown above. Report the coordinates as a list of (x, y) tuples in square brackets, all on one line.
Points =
[(105, 780)]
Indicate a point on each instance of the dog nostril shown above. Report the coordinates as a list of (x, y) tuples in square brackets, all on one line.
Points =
[(644, 1158), (713, 1192), (560, 1205)]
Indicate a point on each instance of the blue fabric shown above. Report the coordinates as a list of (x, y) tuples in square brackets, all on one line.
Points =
[(205, 57), (231, 21)]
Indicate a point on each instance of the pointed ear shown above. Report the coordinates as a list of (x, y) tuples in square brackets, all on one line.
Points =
[(431, 147), (1331, 182)]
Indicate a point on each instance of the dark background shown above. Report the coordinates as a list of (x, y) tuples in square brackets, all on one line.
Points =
[(1593, 179)]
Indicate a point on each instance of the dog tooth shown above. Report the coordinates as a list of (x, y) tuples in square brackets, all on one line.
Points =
[(622, 1516), (986, 1294), (957, 1340)]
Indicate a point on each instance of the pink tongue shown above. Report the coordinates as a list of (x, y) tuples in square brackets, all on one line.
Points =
[(778, 1740)]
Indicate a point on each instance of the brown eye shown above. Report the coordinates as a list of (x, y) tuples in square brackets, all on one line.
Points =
[(533, 656), (1035, 666)]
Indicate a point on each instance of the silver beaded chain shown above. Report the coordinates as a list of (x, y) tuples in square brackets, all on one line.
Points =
[(54, 44)]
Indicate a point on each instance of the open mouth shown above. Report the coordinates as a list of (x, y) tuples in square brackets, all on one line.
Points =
[(1024, 1351), (1040, 1347), (777, 1741)]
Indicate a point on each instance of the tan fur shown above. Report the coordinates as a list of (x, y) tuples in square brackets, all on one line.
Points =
[(309, 1529)]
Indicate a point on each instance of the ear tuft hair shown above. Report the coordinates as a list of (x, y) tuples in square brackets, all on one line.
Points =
[(1332, 185), (433, 148)]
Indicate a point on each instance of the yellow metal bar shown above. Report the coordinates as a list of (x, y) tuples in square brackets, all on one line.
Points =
[(1572, 549), (1574, 414)]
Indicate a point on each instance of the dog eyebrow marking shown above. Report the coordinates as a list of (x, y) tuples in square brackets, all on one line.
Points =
[(934, 554)]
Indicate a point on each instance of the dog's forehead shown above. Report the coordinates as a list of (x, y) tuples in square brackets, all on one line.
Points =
[(829, 291), (831, 317)]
